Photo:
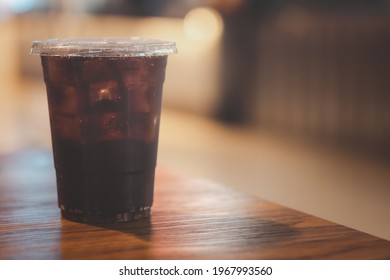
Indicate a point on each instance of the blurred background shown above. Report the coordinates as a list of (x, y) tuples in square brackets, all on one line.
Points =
[(285, 100)]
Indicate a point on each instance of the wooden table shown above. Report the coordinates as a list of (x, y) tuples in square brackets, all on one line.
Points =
[(191, 219)]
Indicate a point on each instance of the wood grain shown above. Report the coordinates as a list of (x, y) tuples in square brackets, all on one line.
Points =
[(191, 219)]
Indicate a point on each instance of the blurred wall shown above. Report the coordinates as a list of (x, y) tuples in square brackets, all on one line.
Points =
[(310, 69), (9, 78), (326, 74)]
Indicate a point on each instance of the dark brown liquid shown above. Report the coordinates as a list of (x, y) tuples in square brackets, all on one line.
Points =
[(104, 115)]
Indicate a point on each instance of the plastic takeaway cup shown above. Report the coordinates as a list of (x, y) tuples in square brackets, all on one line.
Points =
[(104, 98)]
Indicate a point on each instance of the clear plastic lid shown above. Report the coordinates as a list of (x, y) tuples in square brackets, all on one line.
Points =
[(103, 47)]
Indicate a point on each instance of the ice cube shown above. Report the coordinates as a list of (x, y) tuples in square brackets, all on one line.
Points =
[(131, 77), (104, 96), (65, 99), (145, 127), (142, 70), (154, 95), (108, 126), (61, 70), (137, 99), (156, 68), (66, 127), (128, 63), (98, 69)]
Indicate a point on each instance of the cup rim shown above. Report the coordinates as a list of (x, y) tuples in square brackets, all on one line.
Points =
[(103, 47)]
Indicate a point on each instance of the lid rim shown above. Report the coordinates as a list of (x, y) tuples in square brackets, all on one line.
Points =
[(103, 47)]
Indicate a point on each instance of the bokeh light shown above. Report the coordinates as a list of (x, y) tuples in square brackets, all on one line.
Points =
[(203, 24)]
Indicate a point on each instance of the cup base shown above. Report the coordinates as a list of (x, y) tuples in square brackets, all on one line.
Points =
[(99, 217)]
